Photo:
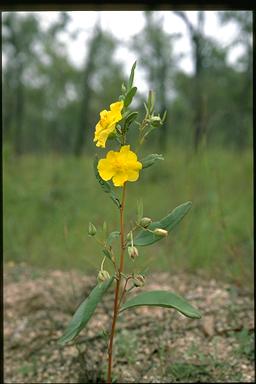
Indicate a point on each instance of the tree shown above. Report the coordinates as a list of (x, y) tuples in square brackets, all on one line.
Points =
[(243, 37), (19, 35), (41, 84), (154, 49), (101, 83), (197, 42)]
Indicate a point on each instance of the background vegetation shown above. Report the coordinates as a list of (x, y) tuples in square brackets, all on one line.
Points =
[(50, 108)]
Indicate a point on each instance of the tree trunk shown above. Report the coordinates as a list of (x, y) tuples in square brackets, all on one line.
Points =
[(163, 136), (87, 92), (196, 37), (199, 122), (18, 129)]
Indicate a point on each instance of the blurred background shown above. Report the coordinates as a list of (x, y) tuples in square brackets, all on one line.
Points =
[(60, 69)]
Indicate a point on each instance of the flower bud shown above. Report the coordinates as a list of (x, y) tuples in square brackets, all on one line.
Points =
[(92, 230), (102, 276), (155, 118), (145, 221), (129, 236), (160, 232), (133, 252), (123, 87), (138, 280)]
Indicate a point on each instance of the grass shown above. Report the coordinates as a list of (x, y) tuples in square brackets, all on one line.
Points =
[(246, 348), (49, 201)]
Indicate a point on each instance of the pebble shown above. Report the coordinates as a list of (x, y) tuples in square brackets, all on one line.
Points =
[(176, 334)]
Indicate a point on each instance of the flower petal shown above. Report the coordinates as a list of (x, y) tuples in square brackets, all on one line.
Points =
[(117, 107), (119, 179), (105, 169), (107, 123), (132, 175), (125, 149)]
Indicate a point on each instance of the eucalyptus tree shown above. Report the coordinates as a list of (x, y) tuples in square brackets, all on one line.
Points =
[(242, 100), (154, 49), (18, 38), (101, 78), (196, 36)]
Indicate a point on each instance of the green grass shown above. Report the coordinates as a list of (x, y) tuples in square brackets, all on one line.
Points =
[(49, 201)]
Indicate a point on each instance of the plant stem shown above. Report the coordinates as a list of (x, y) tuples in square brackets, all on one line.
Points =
[(124, 292), (118, 282)]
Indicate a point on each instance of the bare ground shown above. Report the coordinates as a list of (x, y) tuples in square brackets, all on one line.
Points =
[(153, 345)]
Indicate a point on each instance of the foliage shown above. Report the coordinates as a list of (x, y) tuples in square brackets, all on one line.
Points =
[(50, 187), (42, 88), (246, 342)]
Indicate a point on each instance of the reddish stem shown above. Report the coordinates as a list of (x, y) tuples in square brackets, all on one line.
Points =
[(117, 288)]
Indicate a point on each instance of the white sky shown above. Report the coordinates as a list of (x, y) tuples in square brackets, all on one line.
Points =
[(125, 24)]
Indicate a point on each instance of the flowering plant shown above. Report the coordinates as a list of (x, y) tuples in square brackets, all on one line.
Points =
[(120, 167)]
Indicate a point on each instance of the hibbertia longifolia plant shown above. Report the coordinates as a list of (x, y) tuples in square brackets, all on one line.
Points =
[(114, 172)]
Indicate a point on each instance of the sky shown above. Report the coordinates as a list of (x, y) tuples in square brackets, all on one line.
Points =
[(126, 24)]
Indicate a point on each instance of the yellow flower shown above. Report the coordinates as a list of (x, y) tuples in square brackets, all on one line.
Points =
[(121, 166), (107, 123)]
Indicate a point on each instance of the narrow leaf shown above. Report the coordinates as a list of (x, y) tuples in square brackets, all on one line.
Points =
[(163, 299), (104, 230), (131, 78), (130, 96), (85, 311), (151, 159), (146, 107), (164, 117), (107, 254), (129, 120), (151, 101), (112, 236), (175, 216), (145, 237), (139, 210)]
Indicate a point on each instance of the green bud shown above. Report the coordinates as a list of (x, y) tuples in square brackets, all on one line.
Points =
[(155, 119), (129, 236), (123, 87), (102, 276), (138, 280), (133, 252), (160, 232), (92, 230), (145, 221)]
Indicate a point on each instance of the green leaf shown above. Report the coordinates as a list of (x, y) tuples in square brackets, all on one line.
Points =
[(105, 185), (151, 159), (139, 210), (131, 78), (130, 96), (163, 299), (169, 221), (151, 101), (130, 118), (112, 236), (85, 311), (108, 254), (145, 237), (164, 117), (104, 230), (146, 107)]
